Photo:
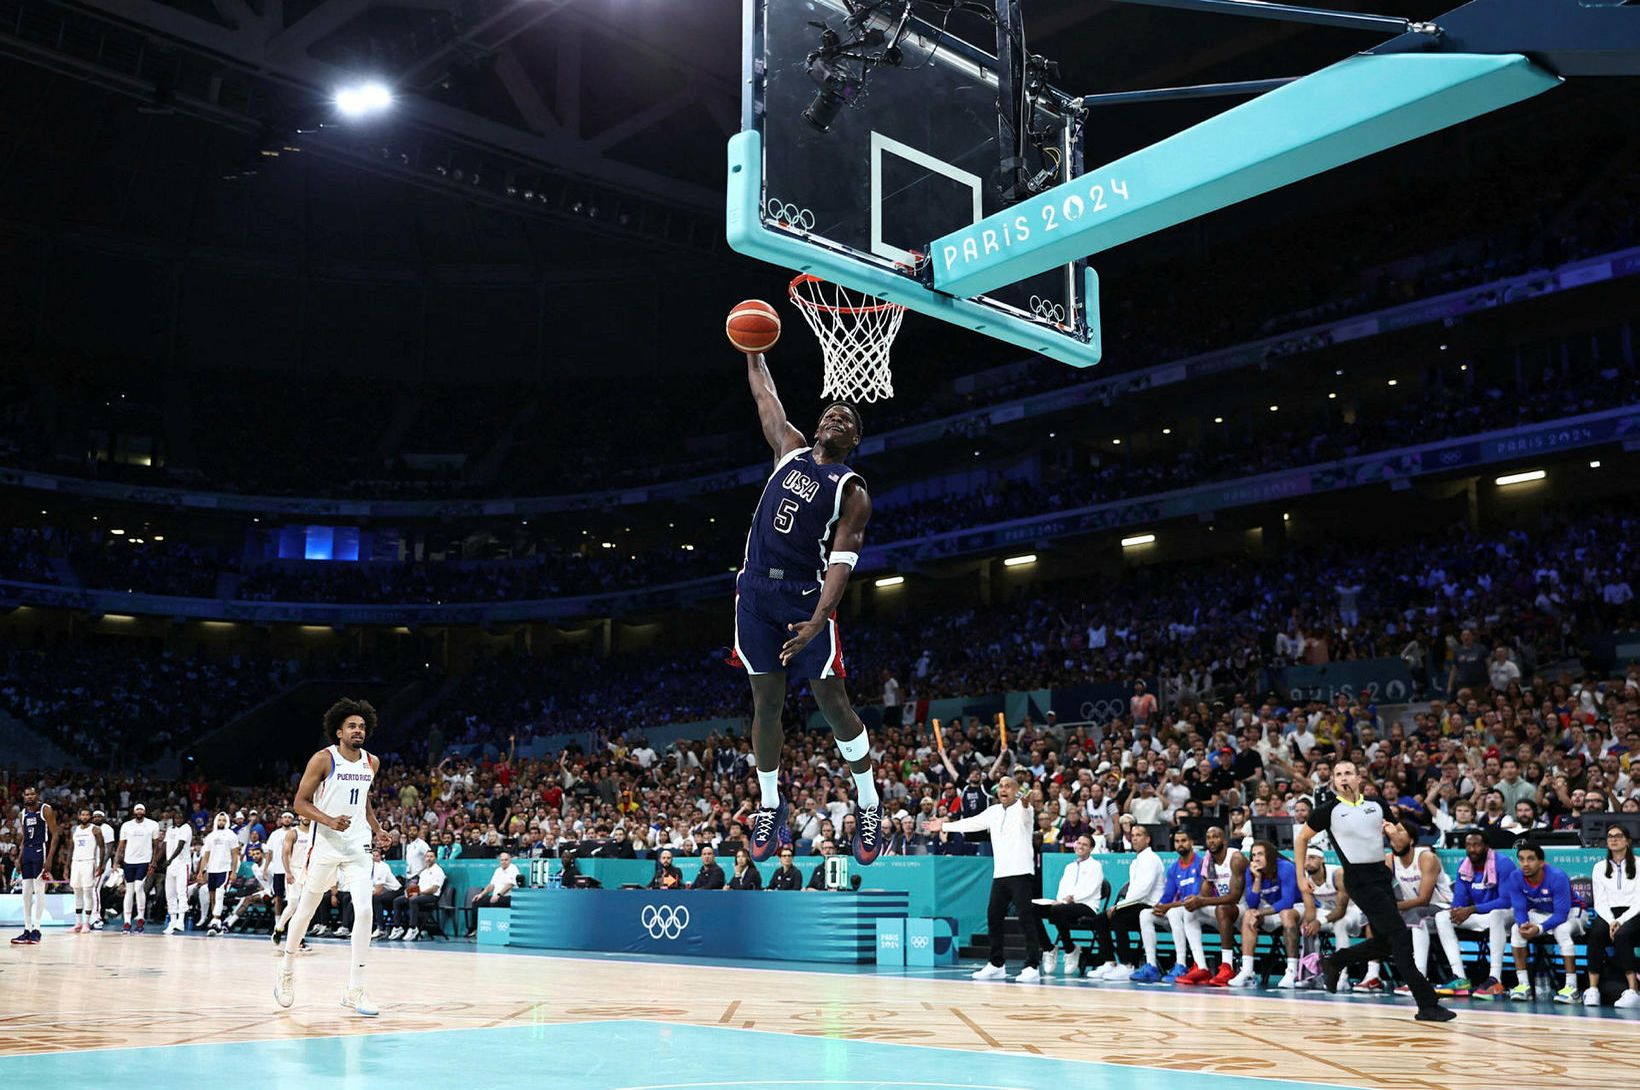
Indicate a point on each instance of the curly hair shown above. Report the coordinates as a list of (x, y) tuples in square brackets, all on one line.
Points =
[(339, 712)]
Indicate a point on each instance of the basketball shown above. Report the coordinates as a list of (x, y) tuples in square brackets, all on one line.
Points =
[(753, 326)]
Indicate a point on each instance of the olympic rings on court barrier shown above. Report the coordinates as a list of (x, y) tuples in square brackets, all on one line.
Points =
[(664, 921)]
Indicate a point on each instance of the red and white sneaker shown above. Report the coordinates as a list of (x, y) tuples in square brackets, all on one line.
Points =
[(1222, 978), (139, 925), (1194, 978), (1372, 984)]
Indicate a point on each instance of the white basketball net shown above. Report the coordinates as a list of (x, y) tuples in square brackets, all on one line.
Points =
[(855, 331)]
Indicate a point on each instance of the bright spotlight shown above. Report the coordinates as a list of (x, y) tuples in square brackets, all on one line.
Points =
[(891, 580), (1017, 561), (1136, 540), (1521, 478), (363, 99)]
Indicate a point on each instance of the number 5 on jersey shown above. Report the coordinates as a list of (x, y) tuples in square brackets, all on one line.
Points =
[(783, 515)]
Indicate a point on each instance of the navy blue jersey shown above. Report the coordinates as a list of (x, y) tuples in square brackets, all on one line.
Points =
[(796, 518), (34, 830)]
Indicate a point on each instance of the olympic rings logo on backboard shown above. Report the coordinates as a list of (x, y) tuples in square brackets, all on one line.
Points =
[(1047, 310), (789, 215), (664, 921)]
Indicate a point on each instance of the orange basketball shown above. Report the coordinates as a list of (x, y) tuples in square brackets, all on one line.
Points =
[(753, 326)]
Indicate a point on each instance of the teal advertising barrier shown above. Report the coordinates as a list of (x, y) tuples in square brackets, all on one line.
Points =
[(937, 885), (797, 926)]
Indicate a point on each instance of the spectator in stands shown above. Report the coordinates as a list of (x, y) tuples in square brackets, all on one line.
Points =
[(1078, 903), (420, 895), (1544, 905), (497, 892), (1512, 787), (667, 875), (1273, 904), (710, 875), (1525, 819), (1480, 902), (1616, 918), (746, 874)]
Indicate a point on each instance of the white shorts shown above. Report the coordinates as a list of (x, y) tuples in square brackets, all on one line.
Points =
[(1272, 922), (82, 874), (1422, 917), (1208, 915), (1354, 921), (349, 872), (1564, 934)]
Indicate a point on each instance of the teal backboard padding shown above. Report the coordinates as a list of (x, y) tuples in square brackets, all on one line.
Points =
[(1342, 113), (747, 234)]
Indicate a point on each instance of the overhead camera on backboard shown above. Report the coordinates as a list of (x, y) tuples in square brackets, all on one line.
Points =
[(841, 67)]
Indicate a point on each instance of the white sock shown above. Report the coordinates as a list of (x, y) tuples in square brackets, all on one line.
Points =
[(1373, 968), (769, 784), (360, 941), (130, 895), (1292, 966), (866, 784), (142, 902), (28, 903)]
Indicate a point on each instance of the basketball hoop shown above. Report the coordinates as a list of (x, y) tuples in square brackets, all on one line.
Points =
[(855, 331)]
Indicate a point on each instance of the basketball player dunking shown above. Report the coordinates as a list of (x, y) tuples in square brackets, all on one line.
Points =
[(335, 795), (805, 539)]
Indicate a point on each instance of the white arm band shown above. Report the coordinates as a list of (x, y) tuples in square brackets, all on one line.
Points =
[(850, 559)]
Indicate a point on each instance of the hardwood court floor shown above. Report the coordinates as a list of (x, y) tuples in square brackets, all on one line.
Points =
[(79, 992)]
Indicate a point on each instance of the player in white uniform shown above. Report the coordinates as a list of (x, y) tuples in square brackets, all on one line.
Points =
[(1217, 903), (275, 851), (296, 849), (83, 865), (335, 794), (179, 842), (136, 860), (1329, 905), (1422, 889), (218, 861), (106, 874)]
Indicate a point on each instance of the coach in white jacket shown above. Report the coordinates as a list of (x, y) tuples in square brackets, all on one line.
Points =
[(1013, 874), (1147, 877), (1079, 903)]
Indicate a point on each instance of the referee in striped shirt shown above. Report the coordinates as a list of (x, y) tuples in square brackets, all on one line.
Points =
[(1357, 827)]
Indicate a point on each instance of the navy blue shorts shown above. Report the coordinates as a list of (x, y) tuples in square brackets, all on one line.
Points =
[(763, 609), (33, 864), (215, 879), (135, 872), (278, 885)]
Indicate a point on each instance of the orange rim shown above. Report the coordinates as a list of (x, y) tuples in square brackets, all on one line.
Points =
[(806, 278)]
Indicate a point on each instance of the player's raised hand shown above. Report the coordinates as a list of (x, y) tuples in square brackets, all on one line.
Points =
[(804, 633)]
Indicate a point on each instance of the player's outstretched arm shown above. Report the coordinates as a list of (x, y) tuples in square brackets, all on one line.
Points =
[(782, 436)]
